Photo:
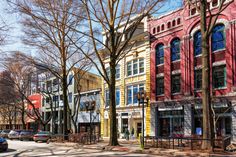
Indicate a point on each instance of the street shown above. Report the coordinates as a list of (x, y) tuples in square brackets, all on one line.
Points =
[(30, 148)]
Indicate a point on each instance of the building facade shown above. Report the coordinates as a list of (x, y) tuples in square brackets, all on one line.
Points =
[(176, 72), (132, 76), (78, 81)]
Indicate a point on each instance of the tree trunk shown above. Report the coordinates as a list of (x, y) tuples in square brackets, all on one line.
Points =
[(206, 99), (113, 128), (65, 107)]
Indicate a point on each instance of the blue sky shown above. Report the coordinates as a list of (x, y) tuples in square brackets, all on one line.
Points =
[(14, 33)]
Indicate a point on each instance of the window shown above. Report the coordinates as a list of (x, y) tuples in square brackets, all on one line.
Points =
[(178, 21), (168, 25), (175, 83), (159, 54), (219, 77), (108, 72), (70, 97), (107, 97), (141, 65), (154, 31), (118, 71), (175, 50), (129, 68), (135, 67), (198, 79), (214, 3), (158, 28), (173, 23), (132, 93), (197, 43), (160, 86), (70, 79), (162, 27), (218, 38), (193, 11), (117, 96), (55, 98)]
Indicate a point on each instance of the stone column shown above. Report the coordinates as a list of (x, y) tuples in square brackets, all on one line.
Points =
[(187, 120)]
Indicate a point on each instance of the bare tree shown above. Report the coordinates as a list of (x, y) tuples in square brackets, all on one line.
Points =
[(208, 20), (49, 27), (117, 20)]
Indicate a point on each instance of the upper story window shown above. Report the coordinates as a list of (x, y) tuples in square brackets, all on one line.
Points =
[(70, 79), (214, 3), (219, 77), (175, 83), (173, 23), (154, 30), (168, 24), (107, 97), (70, 97), (175, 49), (158, 29), (159, 54), (132, 93), (162, 27), (197, 43), (160, 86), (135, 67), (117, 71), (218, 37), (118, 96), (178, 21), (198, 79)]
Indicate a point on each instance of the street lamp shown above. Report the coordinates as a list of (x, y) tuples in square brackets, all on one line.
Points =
[(142, 96), (90, 106)]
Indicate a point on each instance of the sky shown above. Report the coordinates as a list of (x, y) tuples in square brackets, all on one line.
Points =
[(14, 34)]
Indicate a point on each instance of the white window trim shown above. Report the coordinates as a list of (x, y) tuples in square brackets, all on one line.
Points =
[(132, 87), (132, 75)]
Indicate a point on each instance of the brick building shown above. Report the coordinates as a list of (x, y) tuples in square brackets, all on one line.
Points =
[(176, 72)]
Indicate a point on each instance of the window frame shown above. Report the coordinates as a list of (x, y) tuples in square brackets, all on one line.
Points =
[(174, 52), (160, 53), (197, 74), (130, 67), (197, 43), (174, 84), (132, 94), (217, 79), (214, 40), (158, 86)]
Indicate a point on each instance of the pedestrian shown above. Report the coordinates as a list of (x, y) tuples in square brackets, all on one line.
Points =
[(127, 134), (132, 133)]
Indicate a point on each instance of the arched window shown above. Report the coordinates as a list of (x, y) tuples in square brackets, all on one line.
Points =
[(159, 54), (175, 49), (218, 38), (162, 27), (197, 43), (158, 29), (154, 31), (168, 25), (173, 23)]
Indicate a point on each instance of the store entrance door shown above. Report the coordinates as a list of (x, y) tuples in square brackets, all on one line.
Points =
[(164, 126), (139, 129)]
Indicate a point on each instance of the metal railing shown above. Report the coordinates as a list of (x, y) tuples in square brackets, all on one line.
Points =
[(191, 142), (81, 138)]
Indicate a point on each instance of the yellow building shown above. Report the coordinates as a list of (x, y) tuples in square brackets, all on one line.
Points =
[(132, 76)]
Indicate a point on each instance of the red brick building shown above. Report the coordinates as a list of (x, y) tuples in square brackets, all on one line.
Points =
[(176, 71), (31, 119)]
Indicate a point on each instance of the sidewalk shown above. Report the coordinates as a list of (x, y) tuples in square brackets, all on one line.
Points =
[(133, 146)]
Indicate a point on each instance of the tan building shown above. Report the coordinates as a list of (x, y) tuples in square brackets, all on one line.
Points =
[(132, 76)]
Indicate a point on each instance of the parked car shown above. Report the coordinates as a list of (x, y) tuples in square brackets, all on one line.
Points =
[(4, 133), (26, 135), (43, 136), (14, 134), (3, 144)]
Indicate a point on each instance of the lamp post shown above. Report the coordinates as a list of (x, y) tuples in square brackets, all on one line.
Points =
[(90, 106), (142, 96)]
